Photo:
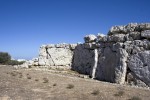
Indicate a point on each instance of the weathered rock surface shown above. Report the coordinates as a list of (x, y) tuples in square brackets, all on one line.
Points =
[(140, 66), (145, 34), (56, 55), (90, 38), (83, 60), (133, 80), (112, 65)]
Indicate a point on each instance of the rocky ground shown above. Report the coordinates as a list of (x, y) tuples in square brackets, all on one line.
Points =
[(31, 84)]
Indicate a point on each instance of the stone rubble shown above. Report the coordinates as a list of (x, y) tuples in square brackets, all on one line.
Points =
[(122, 57)]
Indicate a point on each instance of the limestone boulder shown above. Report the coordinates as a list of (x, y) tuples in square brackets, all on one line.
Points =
[(133, 80), (135, 35), (83, 60), (42, 50), (90, 46), (117, 30), (116, 38), (145, 34), (143, 26), (131, 27), (100, 36), (140, 66), (73, 46), (59, 56), (90, 38), (112, 65)]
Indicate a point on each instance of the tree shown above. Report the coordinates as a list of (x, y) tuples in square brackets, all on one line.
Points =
[(4, 57)]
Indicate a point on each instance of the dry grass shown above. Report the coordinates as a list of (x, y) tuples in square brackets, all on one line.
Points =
[(135, 98), (45, 80), (70, 86), (120, 93), (20, 75), (54, 84), (36, 79), (95, 92), (29, 77)]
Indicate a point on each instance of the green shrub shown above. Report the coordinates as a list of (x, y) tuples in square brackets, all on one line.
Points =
[(15, 62), (4, 57)]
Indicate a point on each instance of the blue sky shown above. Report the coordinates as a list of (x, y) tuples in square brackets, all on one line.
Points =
[(27, 24)]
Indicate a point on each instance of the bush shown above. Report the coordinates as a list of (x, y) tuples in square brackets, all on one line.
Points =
[(15, 62), (4, 57)]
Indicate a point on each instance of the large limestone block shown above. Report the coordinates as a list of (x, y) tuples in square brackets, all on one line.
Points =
[(116, 38), (73, 46), (117, 30), (143, 26), (100, 36), (112, 65), (145, 34), (60, 56), (42, 51), (140, 66), (135, 35), (42, 61), (133, 80), (131, 27), (83, 60)]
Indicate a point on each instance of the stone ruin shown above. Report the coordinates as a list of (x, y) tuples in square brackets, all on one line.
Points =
[(122, 56)]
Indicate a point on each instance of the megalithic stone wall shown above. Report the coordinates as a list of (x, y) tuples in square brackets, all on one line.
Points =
[(56, 56), (121, 57)]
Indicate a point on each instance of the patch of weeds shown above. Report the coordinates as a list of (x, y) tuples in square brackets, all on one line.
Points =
[(70, 86), (28, 77), (19, 73), (120, 93), (59, 69), (54, 84), (95, 92), (13, 74), (36, 79), (20, 76), (45, 80), (135, 98)]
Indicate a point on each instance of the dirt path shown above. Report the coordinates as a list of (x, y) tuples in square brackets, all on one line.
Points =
[(41, 85)]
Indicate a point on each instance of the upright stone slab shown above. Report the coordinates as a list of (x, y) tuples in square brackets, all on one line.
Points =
[(83, 60), (112, 65)]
